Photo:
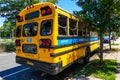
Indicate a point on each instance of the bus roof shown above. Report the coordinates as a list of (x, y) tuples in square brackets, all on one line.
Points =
[(51, 5)]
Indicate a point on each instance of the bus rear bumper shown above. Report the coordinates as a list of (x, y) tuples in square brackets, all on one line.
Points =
[(50, 68)]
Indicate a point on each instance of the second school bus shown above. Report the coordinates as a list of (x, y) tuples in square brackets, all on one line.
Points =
[(51, 39)]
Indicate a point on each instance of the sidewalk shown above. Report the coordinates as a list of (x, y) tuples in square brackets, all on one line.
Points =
[(116, 56), (118, 65), (118, 60), (118, 68)]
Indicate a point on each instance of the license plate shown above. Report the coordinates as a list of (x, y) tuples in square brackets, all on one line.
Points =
[(30, 63)]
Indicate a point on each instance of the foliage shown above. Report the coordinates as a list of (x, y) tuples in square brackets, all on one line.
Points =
[(9, 46), (2, 47), (52, 1), (100, 14), (103, 14), (105, 71), (10, 8)]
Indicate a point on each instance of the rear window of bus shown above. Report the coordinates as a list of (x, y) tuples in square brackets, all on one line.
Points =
[(32, 15), (18, 31), (46, 27), (30, 29)]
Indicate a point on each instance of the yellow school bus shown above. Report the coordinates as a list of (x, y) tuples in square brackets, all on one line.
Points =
[(51, 39)]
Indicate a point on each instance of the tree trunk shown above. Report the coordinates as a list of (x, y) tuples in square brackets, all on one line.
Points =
[(101, 46)]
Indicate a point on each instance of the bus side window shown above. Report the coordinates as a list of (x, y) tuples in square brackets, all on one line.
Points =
[(88, 32), (62, 25), (80, 26), (73, 25), (84, 31)]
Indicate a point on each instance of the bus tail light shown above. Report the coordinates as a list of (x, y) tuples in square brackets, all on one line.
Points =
[(19, 18), (17, 42), (46, 11), (49, 10), (45, 42)]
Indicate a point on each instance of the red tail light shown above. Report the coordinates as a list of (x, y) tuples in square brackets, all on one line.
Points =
[(17, 42), (45, 42), (46, 11), (49, 10), (19, 18)]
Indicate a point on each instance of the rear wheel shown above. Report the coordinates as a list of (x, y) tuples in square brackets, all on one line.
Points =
[(87, 56)]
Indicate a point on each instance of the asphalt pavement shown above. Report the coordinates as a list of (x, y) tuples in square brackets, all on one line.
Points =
[(9, 68), (7, 61)]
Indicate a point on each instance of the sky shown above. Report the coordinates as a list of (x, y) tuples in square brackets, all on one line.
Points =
[(1, 21), (68, 5)]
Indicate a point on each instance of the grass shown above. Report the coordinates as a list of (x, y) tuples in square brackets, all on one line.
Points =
[(114, 44), (112, 49), (7, 40), (105, 71)]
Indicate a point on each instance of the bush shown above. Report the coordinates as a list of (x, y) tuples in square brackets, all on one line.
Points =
[(2, 47), (10, 47)]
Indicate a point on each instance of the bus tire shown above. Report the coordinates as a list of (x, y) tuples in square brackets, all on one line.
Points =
[(87, 56)]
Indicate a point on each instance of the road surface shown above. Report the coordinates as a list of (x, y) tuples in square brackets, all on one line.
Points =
[(10, 70)]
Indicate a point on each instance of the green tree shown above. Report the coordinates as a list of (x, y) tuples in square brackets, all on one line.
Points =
[(10, 8), (113, 26), (98, 13)]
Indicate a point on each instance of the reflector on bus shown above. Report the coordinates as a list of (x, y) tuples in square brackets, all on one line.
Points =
[(19, 18), (46, 11)]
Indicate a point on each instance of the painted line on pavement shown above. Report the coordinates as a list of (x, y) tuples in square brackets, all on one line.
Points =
[(15, 73), (1, 78)]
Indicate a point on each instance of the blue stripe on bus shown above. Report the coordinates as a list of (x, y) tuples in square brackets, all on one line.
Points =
[(94, 38), (75, 40)]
